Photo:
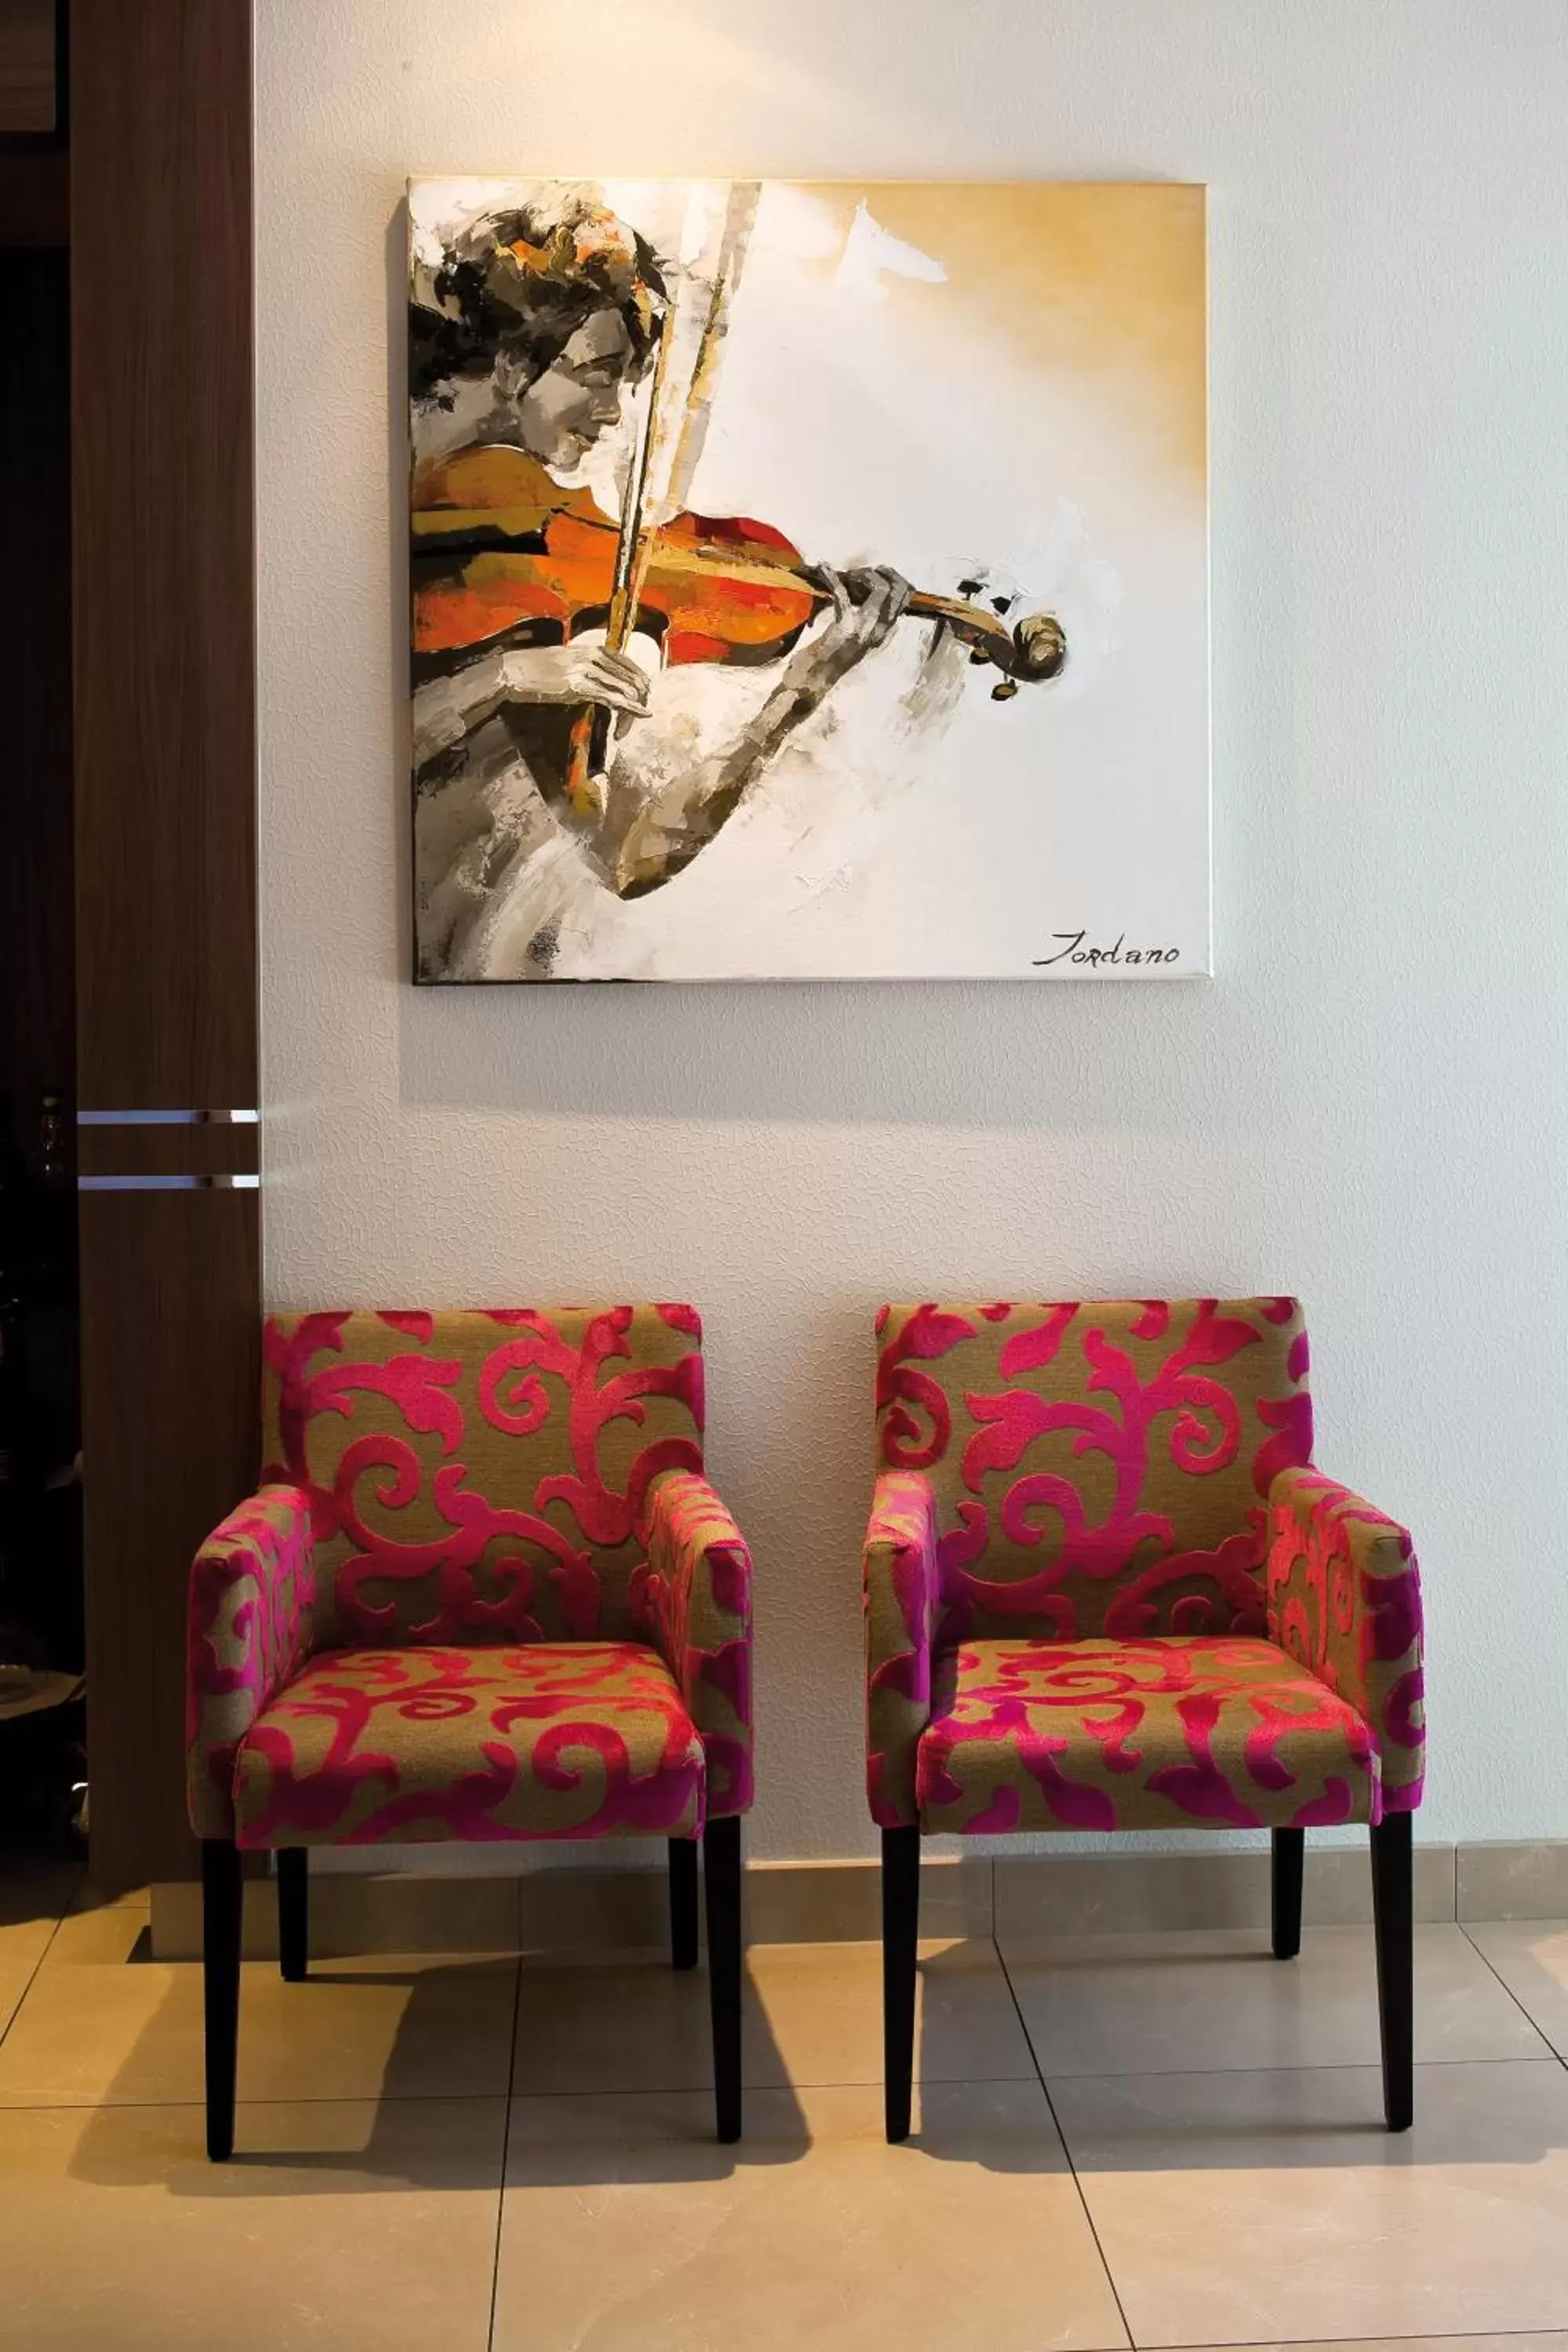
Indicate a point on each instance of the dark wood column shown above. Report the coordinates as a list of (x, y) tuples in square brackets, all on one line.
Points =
[(160, 98)]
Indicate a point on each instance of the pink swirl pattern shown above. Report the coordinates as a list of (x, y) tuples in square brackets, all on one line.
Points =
[(248, 1632), (555, 1741), (694, 1596), (1344, 1597), (1118, 1486), (478, 1476), (901, 1589), (1154, 1734), (493, 1520)]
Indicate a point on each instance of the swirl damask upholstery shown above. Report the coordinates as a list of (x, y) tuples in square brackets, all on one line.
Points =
[(483, 1591), (1105, 1590)]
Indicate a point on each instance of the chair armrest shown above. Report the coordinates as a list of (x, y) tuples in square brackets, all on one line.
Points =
[(903, 1595), (695, 1598), (253, 1585), (1344, 1599)]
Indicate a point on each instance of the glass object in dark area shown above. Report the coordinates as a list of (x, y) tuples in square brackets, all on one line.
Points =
[(50, 1159)]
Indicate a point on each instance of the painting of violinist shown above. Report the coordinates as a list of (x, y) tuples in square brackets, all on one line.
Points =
[(809, 581)]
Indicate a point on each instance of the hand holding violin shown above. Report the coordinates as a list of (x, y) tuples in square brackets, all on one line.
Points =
[(868, 604), (575, 673), (447, 709)]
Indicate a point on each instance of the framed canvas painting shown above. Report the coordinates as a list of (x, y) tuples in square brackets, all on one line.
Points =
[(809, 580)]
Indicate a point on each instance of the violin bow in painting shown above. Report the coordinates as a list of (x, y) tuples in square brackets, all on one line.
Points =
[(588, 748), (1033, 648)]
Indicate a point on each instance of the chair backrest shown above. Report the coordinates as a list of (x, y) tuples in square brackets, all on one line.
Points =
[(477, 1477), (1101, 1467)]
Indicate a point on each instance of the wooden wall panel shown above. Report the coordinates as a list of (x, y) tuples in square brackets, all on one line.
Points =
[(171, 1374), (29, 97), (165, 858), (160, 253)]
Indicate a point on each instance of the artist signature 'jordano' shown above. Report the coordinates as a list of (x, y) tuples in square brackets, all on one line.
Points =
[(1074, 951)]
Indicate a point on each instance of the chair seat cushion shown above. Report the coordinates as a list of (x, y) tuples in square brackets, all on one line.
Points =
[(547, 1740), (1177, 1733)]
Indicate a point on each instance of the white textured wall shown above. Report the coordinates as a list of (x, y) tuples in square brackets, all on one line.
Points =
[(1368, 1106)]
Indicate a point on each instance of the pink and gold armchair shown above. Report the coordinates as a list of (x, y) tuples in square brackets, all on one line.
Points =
[(1105, 1590), (483, 1594)]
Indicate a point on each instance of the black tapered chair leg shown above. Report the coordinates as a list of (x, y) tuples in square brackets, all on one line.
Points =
[(1393, 1920), (683, 1903), (223, 1895), (721, 1872), (294, 1912), (1289, 1858), (900, 1936)]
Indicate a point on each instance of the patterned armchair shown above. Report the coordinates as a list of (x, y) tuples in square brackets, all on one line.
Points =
[(1105, 1590), (483, 1594)]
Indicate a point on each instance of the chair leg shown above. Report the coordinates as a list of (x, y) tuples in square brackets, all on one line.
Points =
[(1289, 1855), (1392, 1919), (683, 1903), (294, 1912), (900, 1936), (223, 1895), (721, 1872)]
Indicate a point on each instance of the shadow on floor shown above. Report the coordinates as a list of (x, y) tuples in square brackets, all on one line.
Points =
[(379, 2117), (611, 2085)]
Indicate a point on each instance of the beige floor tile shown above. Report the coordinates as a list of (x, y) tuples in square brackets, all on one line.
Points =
[(33, 1897), (1139, 2004), (91, 1896), (1553, 2341), (813, 2232), (813, 2014), (588, 2026), (1271, 2206), (816, 2015), (113, 1937), (335, 2225), (387, 2028), (1531, 1956), (23, 1942), (14, 1979), (97, 2025)]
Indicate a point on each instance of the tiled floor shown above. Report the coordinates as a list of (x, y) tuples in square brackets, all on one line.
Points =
[(1164, 2140)]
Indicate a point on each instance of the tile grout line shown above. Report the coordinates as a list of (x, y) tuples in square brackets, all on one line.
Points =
[(1545, 2038), (197, 2103), (1055, 2126), (699, 2090), (1348, 2343), (505, 2151), (506, 2114), (1547, 2056), (472, 2098), (61, 1917)]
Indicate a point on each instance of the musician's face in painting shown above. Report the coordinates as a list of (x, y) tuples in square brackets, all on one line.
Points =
[(561, 413)]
